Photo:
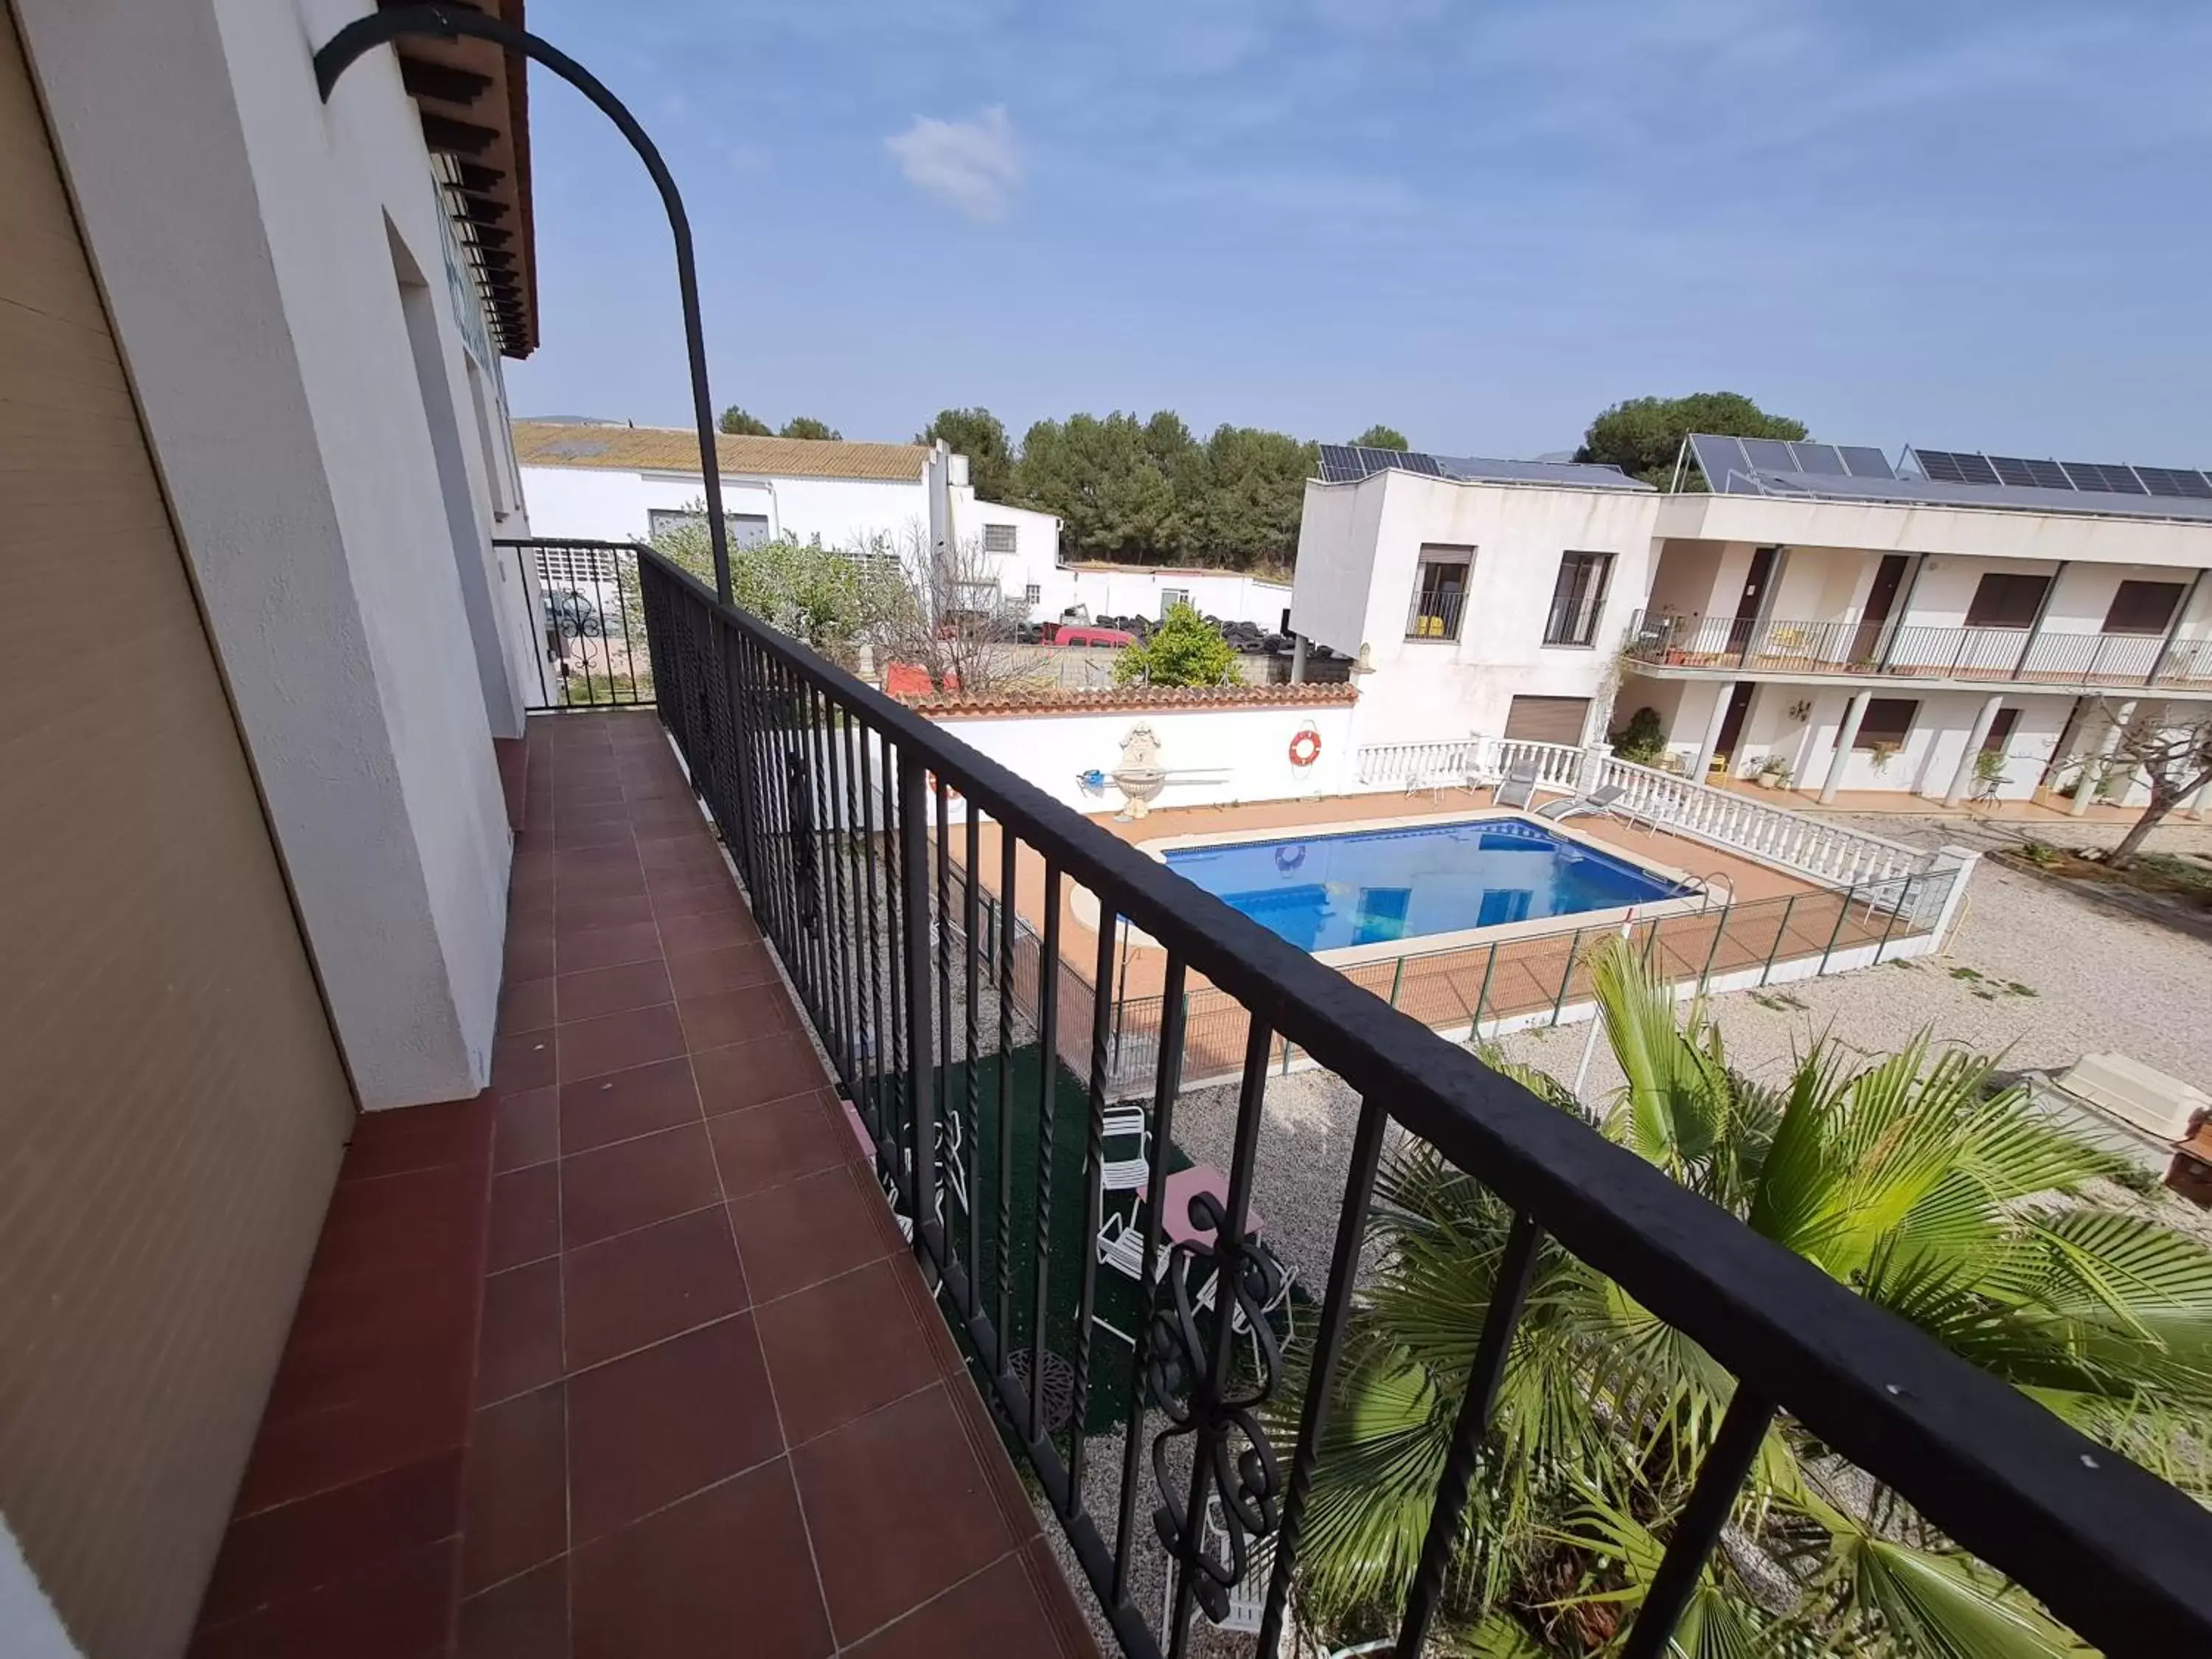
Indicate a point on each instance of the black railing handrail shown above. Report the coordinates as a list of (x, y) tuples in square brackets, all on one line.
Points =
[(2114, 1550)]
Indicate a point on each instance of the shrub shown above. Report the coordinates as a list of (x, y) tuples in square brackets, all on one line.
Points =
[(1643, 740), (1185, 649)]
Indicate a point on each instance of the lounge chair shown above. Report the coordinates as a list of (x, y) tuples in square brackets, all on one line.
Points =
[(1599, 802), (1519, 787)]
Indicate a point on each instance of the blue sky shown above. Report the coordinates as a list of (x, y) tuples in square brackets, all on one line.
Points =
[(1964, 224)]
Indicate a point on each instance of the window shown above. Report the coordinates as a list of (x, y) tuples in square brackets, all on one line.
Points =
[(1171, 597), (1546, 719), (1000, 537), (2000, 737), (1888, 722), (1032, 593), (975, 596), (2142, 607), (1439, 594), (1578, 599), (2006, 601), (746, 529)]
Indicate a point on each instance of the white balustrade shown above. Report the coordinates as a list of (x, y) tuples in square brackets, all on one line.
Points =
[(1730, 819)]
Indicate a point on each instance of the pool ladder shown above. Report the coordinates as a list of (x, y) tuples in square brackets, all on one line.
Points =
[(1719, 877)]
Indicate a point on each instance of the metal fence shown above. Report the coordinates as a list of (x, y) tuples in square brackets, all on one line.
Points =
[(589, 623), (903, 978)]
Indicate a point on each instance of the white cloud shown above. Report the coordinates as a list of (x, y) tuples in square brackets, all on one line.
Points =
[(971, 165)]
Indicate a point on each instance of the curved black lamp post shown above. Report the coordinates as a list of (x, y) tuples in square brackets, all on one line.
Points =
[(365, 33)]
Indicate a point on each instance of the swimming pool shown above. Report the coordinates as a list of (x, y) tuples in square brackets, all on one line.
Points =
[(1366, 886)]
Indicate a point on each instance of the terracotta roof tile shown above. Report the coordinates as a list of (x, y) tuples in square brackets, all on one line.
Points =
[(1128, 699), (676, 449)]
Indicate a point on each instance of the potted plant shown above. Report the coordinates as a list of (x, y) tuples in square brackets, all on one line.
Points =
[(1775, 772), (1883, 753)]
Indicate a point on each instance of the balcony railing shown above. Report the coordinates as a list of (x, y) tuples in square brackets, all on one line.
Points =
[(848, 815), (1435, 615), (589, 621), (1913, 651)]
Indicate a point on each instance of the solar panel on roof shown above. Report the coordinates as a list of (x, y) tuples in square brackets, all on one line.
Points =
[(2109, 480), (2013, 470), (1957, 466), (2176, 483), (1863, 461), (1721, 460), (1820, 458), (1770, 455)]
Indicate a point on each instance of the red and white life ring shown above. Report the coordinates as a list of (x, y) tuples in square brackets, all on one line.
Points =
[(1305, 748)]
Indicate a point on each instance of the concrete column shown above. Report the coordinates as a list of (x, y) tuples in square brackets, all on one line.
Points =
[(1297, 659), (1963, 779), (1845, 739), (1711, 740), (2092, 764)]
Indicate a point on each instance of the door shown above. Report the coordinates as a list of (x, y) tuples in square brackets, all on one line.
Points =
[(172, 1102), (1881, 600), (1547, 719), (1739, 709), (1747, 603)]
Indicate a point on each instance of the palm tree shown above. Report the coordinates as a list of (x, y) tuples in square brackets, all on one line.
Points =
[(1955, 1205)]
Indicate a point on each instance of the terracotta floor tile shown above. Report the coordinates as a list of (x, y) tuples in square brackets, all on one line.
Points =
[(659, 1425), (767, 1145), (753, 1074), (530, 951), (520, 1348), (862, 1487), (574, 837), (724, 1573), (723, 1018), (635, 1184), (584, 790), (400, 1606), (646, 1286), (803, 1232), (409, 1139), (702, 877), (575, 889), (525, 1618), (300, 1548), (733, 968), (598, 991), (410, 1412), (526, 1129), (516, 1507), (681, 847), (996, 1612), (624, 1105), (525, 1005), (595, 910), (842, 1348), (609, 947), (592, 862), (525, 1217), (697, 902), (714, 931), (522, 1062), (574, 815), (615, 1042)]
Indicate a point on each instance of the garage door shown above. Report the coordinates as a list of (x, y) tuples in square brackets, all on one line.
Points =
[(1547, 719), (172, 1104)]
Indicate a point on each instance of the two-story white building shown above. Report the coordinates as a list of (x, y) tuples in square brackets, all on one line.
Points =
[(1820, 614), (1476, 596)]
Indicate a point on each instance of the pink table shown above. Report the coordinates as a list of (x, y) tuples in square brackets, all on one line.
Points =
[(1183, 1186)]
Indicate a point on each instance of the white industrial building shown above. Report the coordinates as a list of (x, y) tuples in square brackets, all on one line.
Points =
[(1820, 613)]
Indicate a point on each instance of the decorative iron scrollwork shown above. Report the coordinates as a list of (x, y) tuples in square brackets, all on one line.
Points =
[(1235, 1462), (799, 792)]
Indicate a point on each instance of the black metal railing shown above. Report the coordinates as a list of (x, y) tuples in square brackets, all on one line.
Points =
[(587, 622), (866, 838), (2026, 656), (1435, 613)]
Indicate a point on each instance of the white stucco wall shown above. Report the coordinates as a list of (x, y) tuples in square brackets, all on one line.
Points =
[(1239, 754), (244, 235), (1358, 558), (1140, 591)]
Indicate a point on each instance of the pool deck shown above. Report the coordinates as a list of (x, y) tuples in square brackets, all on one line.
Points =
[(1147, 963)]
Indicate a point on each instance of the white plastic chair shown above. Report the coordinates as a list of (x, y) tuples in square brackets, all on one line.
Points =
[(1124, 1174), (1247, 1596), (1279, 1303), (1121, 1246)]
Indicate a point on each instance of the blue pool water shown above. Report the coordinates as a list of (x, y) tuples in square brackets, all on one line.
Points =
[(1325, 892)]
